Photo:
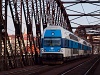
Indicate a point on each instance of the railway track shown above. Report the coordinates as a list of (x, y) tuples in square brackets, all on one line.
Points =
[(48, 69), (68, 68), (86, 68), (91, 70), (24, 71)]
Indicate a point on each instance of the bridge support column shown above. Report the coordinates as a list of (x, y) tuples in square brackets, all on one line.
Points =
[(1, 67)]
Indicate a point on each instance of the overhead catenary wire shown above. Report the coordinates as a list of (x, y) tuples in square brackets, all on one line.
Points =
[(84, 13)]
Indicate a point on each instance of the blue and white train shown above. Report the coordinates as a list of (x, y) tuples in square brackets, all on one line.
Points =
[(58, 44)]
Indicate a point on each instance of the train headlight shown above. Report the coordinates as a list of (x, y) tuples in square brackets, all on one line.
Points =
[(42, 50), (61, 50)]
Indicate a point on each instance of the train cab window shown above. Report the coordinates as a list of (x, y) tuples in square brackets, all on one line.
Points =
[(52, 42), (42, 43)]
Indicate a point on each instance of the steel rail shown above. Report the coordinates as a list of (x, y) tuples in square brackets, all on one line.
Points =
[(73, 68), (89, 70)]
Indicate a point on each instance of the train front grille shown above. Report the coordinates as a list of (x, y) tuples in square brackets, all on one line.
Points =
[(52, 57)]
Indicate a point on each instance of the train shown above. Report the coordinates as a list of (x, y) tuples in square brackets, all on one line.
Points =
[(59, 45)]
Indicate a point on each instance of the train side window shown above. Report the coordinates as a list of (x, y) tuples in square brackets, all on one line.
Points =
[(72, 44), (79, 45), (86, 47), (82, 47), (75, 44), (67, 43)]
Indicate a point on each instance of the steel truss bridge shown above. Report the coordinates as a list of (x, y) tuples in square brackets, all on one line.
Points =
[(42, 13)]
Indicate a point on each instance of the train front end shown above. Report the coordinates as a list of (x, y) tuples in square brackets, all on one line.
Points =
[(51, 52)]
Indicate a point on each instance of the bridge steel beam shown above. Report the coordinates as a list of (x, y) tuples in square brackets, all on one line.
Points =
[(81, 32), (37, 18), (6, 49), (28, 13), (45, 12), (16, 12), (80, 2), (1, 67), (88, 26), (51, 12), (83, 14), (65, 15)]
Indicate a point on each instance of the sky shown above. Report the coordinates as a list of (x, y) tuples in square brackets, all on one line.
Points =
[(86, 20)]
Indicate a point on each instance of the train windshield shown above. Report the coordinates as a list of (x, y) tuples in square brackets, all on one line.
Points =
[(52, 41)]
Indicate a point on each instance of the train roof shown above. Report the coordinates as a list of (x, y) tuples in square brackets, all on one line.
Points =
[(65, 34), (63, 31)]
